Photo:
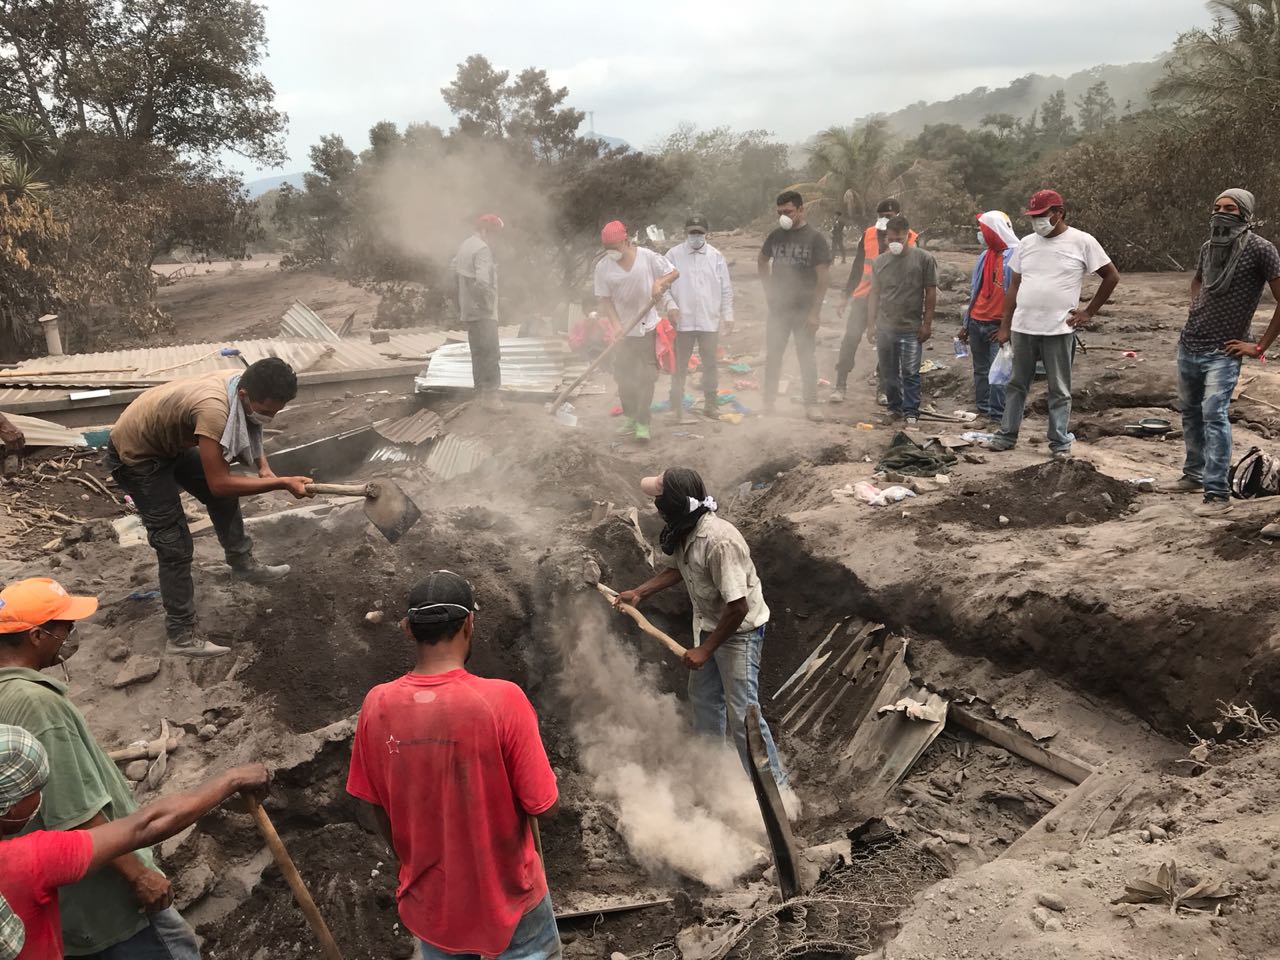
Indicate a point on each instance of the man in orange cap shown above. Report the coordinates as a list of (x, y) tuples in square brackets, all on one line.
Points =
[(125, 911), (477, 274)]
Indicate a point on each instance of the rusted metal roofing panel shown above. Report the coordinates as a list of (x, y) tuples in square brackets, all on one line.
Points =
[(414, 429), (532, 365), (42, 433), (304, 323)]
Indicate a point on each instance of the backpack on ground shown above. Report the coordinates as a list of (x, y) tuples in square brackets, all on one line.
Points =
[(1256, 474)]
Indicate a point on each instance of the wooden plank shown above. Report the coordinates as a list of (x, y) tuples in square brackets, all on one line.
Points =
[(614, 907), (1089, 811), (786, 857), (1064, 766)]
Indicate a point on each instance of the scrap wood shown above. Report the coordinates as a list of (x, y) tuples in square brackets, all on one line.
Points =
[(94, 485), (1265, 403), (144, 751)]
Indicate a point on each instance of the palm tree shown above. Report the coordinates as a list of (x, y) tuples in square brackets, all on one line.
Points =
[(24, 144), (852, 167), (1234, 64)]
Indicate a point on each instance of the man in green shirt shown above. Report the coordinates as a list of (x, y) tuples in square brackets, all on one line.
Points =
[(122, 913)]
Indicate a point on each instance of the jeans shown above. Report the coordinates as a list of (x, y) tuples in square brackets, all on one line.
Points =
[(1205, 384), (168, 937), (706, 342), (636, 371), (988, 398), (854, 330), (486, 370), (1055, 352), (899, 365), (723, 689), (155, 486), (536, 938), (778, 330)]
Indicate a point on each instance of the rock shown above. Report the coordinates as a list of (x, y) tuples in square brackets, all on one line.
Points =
[(1134, 508), (1077, 518), (139, 669), (1052, 925), (618, 954), (117, 650), (596, 864), (1157, 832), (1004, 521), (1040, 916), (1144, 836), (1071, 538), (1051, 901), (76, 552), (1060, 861), (55, 561), (374, 617), (192, 884), (136, 771), (207, 732), (974, 458), (1106, 498)]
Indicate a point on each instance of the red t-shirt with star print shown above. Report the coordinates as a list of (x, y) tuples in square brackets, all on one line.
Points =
[(457, 763)]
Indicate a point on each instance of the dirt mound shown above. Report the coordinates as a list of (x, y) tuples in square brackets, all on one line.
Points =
[(1047, 495)]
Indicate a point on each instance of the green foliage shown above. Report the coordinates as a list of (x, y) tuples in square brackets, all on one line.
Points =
[(730, 177)]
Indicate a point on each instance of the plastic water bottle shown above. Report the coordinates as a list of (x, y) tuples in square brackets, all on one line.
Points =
[(962, 351)]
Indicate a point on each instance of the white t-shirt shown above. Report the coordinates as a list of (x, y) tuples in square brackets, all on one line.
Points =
[(1053, 271), (631, 289)]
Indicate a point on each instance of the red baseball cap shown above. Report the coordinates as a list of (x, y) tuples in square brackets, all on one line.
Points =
[(34, 602), (491, 220), (1042, 201), (615, 231)]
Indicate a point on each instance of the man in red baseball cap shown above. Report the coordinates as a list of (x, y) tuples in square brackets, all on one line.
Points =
[(124, 911), (477, 274), (1042, 311)]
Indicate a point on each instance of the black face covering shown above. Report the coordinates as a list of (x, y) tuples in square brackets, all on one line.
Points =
[(678, 485)]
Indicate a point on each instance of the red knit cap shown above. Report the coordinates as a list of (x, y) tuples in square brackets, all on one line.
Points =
[(614, 232)]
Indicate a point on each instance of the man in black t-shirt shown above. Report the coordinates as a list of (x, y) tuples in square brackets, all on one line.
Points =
[(1234, 266), (794, 266)]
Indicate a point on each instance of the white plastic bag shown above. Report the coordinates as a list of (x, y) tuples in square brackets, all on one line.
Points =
[(1001, 367)]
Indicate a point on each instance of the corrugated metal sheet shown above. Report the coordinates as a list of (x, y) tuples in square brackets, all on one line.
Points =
[(161, 364), (303, 322), (414, 429), (530, 365), (451, 456), (42, 433)]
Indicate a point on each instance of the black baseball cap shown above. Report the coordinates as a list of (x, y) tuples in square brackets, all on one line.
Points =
[(443, 597), (697, 222)]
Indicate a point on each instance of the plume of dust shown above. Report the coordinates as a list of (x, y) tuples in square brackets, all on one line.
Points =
[(684, 801)]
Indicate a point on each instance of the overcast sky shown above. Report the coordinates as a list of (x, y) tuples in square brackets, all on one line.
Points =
[(340, 66)]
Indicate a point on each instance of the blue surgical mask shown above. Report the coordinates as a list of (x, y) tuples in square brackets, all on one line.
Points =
[(697, 241)]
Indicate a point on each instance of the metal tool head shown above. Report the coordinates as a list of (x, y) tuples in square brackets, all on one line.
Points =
[(389, 509)]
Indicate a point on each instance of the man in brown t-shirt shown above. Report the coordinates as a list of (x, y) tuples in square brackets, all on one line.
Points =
[(184, 436)]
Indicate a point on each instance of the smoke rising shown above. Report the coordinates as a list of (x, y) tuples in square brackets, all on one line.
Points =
[(684, 801)]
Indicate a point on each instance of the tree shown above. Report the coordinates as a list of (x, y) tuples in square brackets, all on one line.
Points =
[(181, 73), (1057, 126), (853, 166), (1096, 109), (726, 175), (1234, 64)]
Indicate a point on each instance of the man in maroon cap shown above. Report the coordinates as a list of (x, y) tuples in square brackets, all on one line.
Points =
[(477, 274), (629, 281), (1042, 311)]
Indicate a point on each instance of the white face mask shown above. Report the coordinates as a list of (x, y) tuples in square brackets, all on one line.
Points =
[(614, 255), (785, 222), (1042, 225), (259, 419), (882, 224), (896, 248), (697, 241)]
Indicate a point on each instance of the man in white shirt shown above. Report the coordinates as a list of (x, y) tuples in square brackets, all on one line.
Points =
[(1042, 311), (477, 274), (629, 281), (704, 304)]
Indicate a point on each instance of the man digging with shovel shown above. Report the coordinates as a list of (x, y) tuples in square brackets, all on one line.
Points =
[(710, 557)]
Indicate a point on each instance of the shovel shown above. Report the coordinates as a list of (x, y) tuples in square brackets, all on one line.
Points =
[(642, 621), (564, 394), (385, 504)]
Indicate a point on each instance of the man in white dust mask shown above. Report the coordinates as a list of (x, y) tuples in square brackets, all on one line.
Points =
[(703, 310)]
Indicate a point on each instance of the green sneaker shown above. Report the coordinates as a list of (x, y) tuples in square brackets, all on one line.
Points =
[(628, 427), (642, 432)]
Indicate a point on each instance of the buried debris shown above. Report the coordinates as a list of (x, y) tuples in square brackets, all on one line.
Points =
[(1207, 895)]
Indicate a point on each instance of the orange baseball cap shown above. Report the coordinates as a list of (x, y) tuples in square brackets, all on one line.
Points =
[(36, 601)]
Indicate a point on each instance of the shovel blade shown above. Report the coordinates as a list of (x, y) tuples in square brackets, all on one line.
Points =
[(390, 510)]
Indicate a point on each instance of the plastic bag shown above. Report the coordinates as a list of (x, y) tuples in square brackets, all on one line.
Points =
[(1001, 367)]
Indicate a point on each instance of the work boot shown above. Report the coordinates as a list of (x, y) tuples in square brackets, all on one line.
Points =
[(1062, 456), (628, 428), (193, 644), (815, 414), (1181, 485), (642, 432), (1271, 531), (1214, 507), (912, 420), (251, 571)]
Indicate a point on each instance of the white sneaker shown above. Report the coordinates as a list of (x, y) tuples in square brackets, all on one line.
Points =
[(882, 399), (195, 646)]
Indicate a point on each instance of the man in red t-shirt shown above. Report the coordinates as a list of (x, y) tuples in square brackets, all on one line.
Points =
[(35, 865), (454, 769)]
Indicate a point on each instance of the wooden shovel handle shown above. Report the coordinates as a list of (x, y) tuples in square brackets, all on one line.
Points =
[(643, 622), (327, 945), (340, 489), (564, 394)]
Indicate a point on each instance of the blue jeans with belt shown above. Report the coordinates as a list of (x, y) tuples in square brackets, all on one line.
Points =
[(723, 689), (1205, 384), (536, 938)]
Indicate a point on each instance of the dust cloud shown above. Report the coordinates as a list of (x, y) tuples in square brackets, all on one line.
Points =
[(684, 801)]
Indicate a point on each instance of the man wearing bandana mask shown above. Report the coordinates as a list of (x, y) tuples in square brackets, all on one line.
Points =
[(1235, 265), (186, 435), (710, 557)]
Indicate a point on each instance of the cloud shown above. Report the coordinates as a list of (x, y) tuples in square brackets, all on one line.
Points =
[(641, 70)]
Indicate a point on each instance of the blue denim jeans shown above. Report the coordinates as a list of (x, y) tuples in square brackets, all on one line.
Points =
[(723, 689), (989, 399), (899, 363), (1055, 352), (536, 938), (1205, 384), (166, 937)]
